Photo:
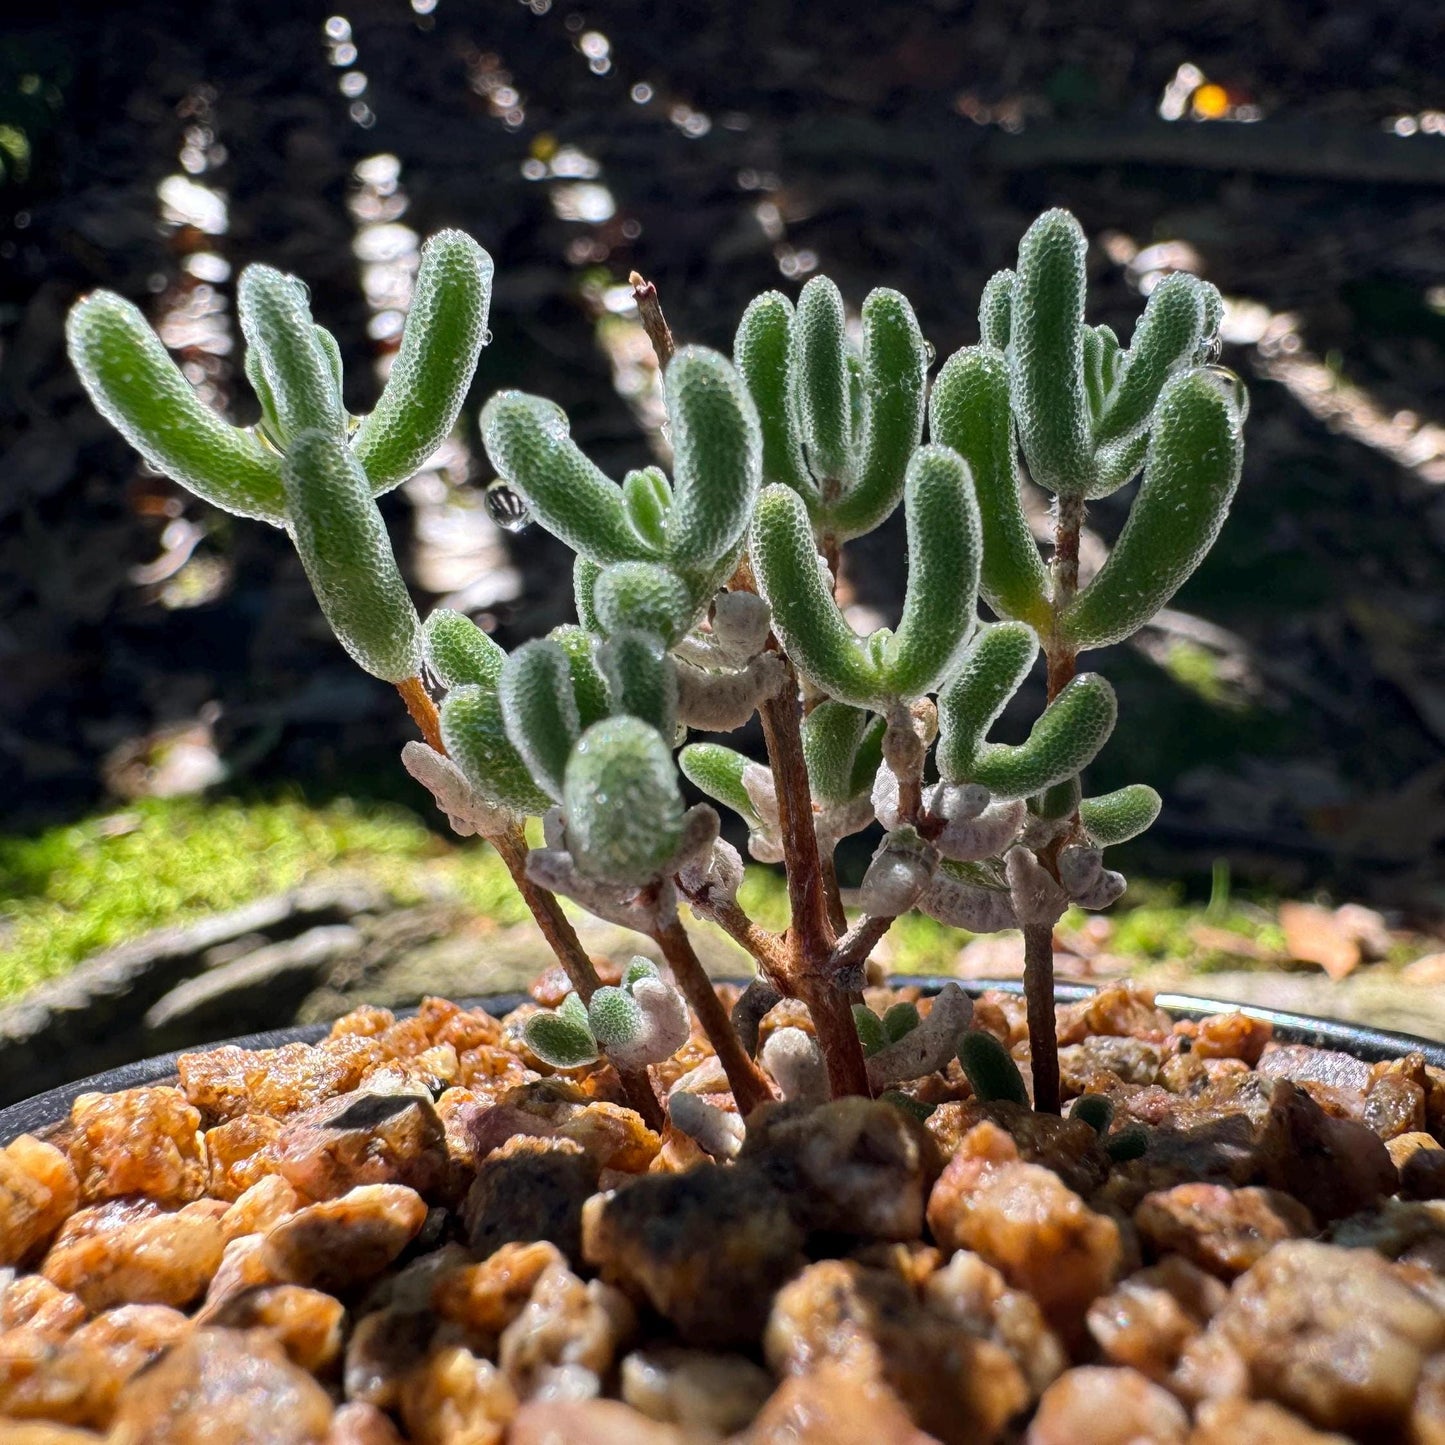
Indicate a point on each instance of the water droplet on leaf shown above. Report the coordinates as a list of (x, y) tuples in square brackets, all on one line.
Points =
[(507, 507)]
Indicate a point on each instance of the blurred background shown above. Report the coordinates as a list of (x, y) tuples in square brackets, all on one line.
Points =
[(164, 666)]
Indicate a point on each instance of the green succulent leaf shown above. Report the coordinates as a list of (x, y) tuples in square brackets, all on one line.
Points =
[(945, 549), (718, 771), (641, 679), (624, 810), (990, 1069), (1065, 739), (995, 310), (589, 686), (994, 667), (869, 757), (1096, 1110), (475, 735), (615, 1016), (647, 496), (1116, 817), (643, 595), (331, 350), (1046, 351), (275, 317), (832, 735), (446, 328), (970, 412), (344, 547), (585, 573), (638, 969), (137, 387), (894, 375), (1195, 451), (1117, 463), (760, 353), (459, 652), (1058, 801), (529, 442), (870, 1030), (559, 1039), (539, 710), (901, 1019), (805, 617), (822, 386), (717, 457)]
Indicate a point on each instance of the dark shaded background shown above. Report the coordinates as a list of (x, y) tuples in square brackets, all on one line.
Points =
[(1295, 723)]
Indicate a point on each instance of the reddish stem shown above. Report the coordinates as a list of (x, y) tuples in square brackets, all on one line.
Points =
[(423, 712)]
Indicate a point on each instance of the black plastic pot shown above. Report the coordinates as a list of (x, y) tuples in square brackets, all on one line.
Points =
[(43, 1112)]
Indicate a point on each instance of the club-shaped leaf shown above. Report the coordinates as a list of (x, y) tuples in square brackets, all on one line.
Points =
[(585, 573), (717, 457), (805, 617), (1046, 354), (822, 387), (275, 317), (476, 738), (945, 548), (832, 735), (344, 547), (1195, 450), (137, 387), (624, 811), (1166, 337), (643, 595), (760, 353), (647, 497), (540, 711), (615, 1017), (1117, 817), (990, 1069), (1066, 738), (870, 1030), (993, 669), (641, 679), (718, 771), (900, 1019), (895, 370), (446, 328), (1118, 463), (970, 412), (529, 442), (459, 652), (995, 309), (589, 687)]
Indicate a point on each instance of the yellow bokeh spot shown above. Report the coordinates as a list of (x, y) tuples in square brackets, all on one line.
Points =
[(1210, 102), (544, 146)]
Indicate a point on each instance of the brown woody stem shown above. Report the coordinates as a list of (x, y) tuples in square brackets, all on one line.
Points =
[(654, 323), (423, 712), (744, 1077), (766, 948), (1043, 1031), (562, 939)]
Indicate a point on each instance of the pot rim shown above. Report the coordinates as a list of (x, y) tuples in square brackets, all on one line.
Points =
[(43, 1112)]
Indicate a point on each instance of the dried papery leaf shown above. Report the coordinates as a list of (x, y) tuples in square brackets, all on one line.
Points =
[(641, 678), (885, 798), (1116, 817), (642, 1024), (624, 810), (958, 802), (645, 596), (459, 652), (275, 317), (717, 451), (995, 309), (589, 687), (1037, 898), (467, 810), (1065, 739), (718, 1132), (1080, 868), (647, 497), (643, 909), (994, 667), (529, 442), (136, 386), (1046, 354), (741, 622), (796, 1063), (928, 1047), (476, 737), (1196, 449), (760, 353), (840, 820), (970, 411), (718, 771), (900, 870), (963, 898), (540, 711), (344, 547), (966, 840), (715, 878), (445, 330), (819, 375), (991, 1070), (1107, 889), (722, 701)]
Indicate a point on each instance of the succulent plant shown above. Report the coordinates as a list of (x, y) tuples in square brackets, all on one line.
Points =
[(707, 596)]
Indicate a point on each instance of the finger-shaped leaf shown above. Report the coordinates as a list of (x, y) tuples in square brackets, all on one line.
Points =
[(1196, 447), (717, 457), (995, 310), (822, 387), (805, 617), (1066, 738), (275, 317), (258, 383), (641, 680), (539, 710), (970, 412), (530, 444), (1118, 463), (331, 350), (1056, 803), (643, 595), (1117, 817), (945, 549), (344, 547), (446, 328), (139, 389), (869, 757), (624, 810), (647, 496), (1166, 337), (560, 1039), (990, 1069), (718, 771), (459, 652), (589, 687), (585, 573), (994, 667), (832, 733), (895, 369), (760, 353), (476, 737), (1046, 353)]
